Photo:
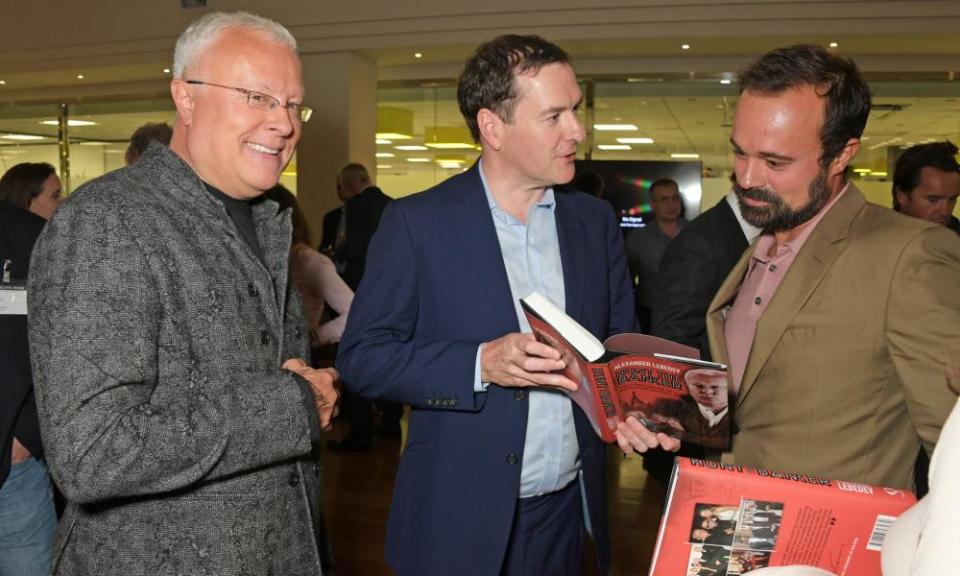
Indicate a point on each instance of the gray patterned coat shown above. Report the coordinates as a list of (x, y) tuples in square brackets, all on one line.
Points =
[(157, 338)]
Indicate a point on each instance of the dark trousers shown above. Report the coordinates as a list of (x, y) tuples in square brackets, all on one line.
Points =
[(547, 535)]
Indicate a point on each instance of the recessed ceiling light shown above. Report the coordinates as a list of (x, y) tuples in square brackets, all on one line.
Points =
[(643, 140), (70, 122), (21, 137), (726, 81), (684, 155), (384, 141), (410, 147), (2, 82), (382, 166), (833, 44), (418, 55), (385, 155), (166, 70), (685, 46), (614, 147), (79, 76), (615, 127), (418, 159)]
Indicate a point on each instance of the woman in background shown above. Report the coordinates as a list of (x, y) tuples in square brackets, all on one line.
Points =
[(315, 276), (29, 195)]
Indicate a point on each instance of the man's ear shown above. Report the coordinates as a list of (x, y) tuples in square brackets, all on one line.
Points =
[(491, 128), (183, 100), (902, 197), (846, 155)]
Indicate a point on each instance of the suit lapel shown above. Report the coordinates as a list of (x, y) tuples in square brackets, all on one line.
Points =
[(716, 313), (482, 247), (570, 236), (807, 271)]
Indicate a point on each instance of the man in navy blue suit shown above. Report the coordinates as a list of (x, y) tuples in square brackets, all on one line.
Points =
[(501, 474)]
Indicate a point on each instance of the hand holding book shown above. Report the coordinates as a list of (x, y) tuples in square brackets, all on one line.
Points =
[(519, 360)]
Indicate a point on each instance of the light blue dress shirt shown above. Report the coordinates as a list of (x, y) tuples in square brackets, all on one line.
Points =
[(531, 253)]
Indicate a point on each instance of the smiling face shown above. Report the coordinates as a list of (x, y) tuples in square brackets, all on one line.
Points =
[(236, 148), (538, 146), (776, 139)]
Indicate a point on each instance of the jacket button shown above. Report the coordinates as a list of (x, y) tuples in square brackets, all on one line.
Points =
[(316, 469), (294, 479), (252, 290), (264, 337), (298, 333), (519, 395), (453, 401), (512, 459)]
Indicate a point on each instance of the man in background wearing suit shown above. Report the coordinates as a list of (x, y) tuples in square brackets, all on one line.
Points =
[(926, 183), (177, 412), (693, 267), (838, 324), (363, 207), (499, 464)]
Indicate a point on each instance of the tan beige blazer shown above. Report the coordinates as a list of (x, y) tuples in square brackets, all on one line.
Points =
[(848, 370)]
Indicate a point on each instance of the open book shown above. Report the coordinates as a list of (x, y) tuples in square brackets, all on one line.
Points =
[(728, 519), (661, 383)]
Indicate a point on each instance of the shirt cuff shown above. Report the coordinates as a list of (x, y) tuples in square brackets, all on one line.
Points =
[(310, 403), (478, 386)]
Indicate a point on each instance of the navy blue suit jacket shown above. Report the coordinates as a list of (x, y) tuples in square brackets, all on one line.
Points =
[(435, 288)]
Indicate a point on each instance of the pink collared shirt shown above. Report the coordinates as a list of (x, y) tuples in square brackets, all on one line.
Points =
[(768, 266)]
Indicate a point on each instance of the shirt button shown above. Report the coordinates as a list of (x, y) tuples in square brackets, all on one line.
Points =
[(773, 268), (264, 337), (519, 395), (757, 300), (252, 290), (294, 480), (512, 459)]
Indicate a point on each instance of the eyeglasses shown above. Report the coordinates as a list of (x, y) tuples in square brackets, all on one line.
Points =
[(266, 102)]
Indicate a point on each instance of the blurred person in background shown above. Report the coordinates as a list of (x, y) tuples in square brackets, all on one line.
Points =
[(27, 516), (142, 137), (32, 186), (926, 183)]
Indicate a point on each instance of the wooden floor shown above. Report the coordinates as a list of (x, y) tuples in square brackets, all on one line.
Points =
[(356, 498)]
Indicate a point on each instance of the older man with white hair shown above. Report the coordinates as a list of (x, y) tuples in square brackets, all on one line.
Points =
[(167, 342)]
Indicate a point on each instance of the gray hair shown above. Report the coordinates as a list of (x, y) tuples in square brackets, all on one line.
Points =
[(203, 31)]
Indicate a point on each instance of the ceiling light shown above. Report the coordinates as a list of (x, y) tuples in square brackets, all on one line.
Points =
[(450, 165), (70, 122), (418, 159), (411, 147), (615, 127), (685, 46), (879, 174), (166, 70), (450, 145), (385, 155), (384, 141), (22, 137), (382, 166), (417, 55), (2, 82), (862, 170), (447, 137), (392, 136), (726, 81), (614, 147), (642, 140), (79, 76), (833, 44), (684, 155)]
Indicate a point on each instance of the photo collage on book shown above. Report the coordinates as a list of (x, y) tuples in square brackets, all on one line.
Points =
[(730, 539)]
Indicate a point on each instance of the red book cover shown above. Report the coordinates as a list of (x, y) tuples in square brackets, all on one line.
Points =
[(725, 519), (661, 383)]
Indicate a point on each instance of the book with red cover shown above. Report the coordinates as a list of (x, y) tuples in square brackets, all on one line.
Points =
[(723, 519), (663, 384)]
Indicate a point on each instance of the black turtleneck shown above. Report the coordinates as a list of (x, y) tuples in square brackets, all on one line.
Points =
[(241, 212)]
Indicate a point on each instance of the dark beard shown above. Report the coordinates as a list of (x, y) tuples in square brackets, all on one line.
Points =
[(776, 216)]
